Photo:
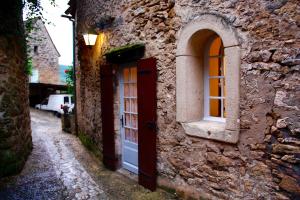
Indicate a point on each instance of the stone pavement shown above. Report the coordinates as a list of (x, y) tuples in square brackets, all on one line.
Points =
[(61, 168)]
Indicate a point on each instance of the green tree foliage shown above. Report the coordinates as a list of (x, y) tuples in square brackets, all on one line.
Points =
[(33, 11), (70, 79)]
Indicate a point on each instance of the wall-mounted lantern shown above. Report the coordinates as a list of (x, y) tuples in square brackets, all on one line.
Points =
[(90, 38)]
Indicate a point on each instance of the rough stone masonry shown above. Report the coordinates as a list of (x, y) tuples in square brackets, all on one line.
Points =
[(264, 164), (43, 53), (15, 132)]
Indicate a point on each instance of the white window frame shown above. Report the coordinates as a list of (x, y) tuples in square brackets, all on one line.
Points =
[(207, 96)]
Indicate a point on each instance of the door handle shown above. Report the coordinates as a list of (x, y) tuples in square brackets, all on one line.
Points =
[(122, 121)]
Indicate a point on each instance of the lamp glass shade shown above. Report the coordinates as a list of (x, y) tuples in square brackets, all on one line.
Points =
[(90, 39)]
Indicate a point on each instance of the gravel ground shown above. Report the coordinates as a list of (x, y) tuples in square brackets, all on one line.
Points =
[(61, 168)]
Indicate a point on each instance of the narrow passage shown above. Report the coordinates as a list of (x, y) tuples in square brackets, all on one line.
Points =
[(61, 168)]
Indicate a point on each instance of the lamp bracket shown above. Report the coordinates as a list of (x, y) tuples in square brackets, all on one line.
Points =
[(104, 22)]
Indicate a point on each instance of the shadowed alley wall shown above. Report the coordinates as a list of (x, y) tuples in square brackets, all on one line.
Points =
[(15, 132)]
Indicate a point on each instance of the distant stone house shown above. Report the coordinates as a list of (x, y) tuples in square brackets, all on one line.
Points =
[(205, 99), (46, 75), (44, 55)]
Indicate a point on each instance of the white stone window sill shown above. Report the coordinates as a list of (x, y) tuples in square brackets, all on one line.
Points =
[(210, 130)]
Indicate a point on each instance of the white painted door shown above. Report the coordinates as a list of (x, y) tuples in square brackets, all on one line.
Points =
[(129, 118)]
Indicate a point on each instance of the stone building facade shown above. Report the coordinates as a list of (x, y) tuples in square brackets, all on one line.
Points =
[(251, 154), (15, 131), (44, 55)]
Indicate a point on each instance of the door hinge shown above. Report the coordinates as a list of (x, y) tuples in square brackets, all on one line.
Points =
[(151, 125)]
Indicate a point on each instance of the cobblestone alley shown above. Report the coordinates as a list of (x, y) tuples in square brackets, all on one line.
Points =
[(60, 167)]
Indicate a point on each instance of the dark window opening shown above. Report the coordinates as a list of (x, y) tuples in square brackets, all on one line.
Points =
[(35, 49), (66, 100), (72, 99), (45, 102)]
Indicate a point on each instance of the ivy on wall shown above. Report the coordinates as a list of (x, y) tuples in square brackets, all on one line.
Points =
[(29, 66)]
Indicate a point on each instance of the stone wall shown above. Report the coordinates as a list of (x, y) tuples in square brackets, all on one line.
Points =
[(88, 95), (264, 164), (45, 56), (15, 132)]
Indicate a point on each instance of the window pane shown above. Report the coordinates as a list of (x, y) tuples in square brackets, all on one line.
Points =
[(127, 120), (66, 100), (133, 74), (126, 90), (133, 90), (127, 134), (126, 74), (215, 87), (134, 105), (134, 121), (215, 47), (215, 107), (214, 67), (134, 136), (127, 105)]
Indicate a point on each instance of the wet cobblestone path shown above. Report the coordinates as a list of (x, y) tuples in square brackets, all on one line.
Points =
[(60, 167)]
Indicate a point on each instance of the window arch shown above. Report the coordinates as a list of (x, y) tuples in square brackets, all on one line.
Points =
[(207, 79)]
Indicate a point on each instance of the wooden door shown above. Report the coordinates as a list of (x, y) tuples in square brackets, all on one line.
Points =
[(107, 114), (129, 118), (146, 90)]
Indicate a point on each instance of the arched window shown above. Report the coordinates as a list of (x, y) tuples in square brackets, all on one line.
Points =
[(208, 79), (214, 85)]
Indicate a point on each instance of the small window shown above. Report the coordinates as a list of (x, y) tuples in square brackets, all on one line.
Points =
[(35, 49), (66, 100), (214, 86), (72, 99)]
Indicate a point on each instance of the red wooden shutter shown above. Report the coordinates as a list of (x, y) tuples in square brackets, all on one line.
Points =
[(107, 115), (146, 87)]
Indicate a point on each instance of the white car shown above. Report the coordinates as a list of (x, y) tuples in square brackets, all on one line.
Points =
[(56, 102)]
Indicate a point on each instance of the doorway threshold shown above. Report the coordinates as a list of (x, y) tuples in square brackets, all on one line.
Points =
[(128, 174)]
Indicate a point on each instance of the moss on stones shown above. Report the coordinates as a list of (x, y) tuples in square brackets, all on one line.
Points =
[(11, 168), (125, 53), (8, 156), (89, 144), (124, 48)]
